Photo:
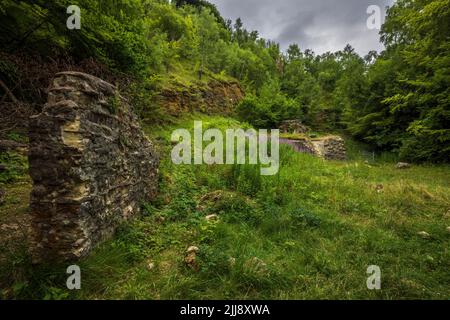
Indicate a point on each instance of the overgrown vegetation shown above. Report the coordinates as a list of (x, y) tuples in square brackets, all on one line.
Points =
[(15, 166), (312, 230), (396, 100), (309, 232)]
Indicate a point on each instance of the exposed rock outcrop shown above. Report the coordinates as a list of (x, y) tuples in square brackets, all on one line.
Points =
[(91, 165), (215, 97), (293, 126)]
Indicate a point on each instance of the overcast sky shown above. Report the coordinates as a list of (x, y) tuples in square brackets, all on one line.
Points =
[(320, 25)]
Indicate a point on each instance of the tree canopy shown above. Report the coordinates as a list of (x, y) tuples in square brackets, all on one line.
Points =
[(395, 100)]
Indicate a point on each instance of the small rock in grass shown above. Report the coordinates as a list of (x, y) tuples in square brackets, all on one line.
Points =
[(212, 217), (403, 165), (424, 235), (192, 249), (151, 265), (160, 219), (191, 258), (191, 261), (379, 188)]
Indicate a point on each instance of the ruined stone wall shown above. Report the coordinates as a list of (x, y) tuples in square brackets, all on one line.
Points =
[(293, 126), (329, 148), (334, 148), (91, 165), (300, 145)]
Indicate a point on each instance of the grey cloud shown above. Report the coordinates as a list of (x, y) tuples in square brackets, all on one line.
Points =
[(320, 25)]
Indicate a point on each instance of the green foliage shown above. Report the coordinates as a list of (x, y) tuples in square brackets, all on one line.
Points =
[(200, 4), (277, 237), (16, 166), (214, 261), (396, 101), (133, 241), (269, 108), (407, 109), (306, 218), (287, 235)]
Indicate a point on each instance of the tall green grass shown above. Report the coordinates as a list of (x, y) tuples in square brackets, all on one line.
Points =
[(309, 232)]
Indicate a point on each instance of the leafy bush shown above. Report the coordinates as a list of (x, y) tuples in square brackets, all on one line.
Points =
[(269, 108)]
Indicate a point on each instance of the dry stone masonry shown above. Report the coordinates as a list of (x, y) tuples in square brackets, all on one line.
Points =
[(91, 165), (293, 126), (329, 147)]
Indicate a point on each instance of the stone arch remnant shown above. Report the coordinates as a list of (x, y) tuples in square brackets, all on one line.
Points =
[(92, 167)]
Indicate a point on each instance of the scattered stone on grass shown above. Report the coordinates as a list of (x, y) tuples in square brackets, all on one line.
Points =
[(403, 165), (379, 188), (191, 258), (212, 217), (424, 234)]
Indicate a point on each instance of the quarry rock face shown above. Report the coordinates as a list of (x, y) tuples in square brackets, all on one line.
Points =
[(214, 97), (293, 126), (91, 165)]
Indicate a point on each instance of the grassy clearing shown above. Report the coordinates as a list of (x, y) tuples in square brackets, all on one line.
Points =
[(309, 232)]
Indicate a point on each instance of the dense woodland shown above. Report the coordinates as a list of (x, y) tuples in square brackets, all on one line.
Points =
[(396, 100)]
